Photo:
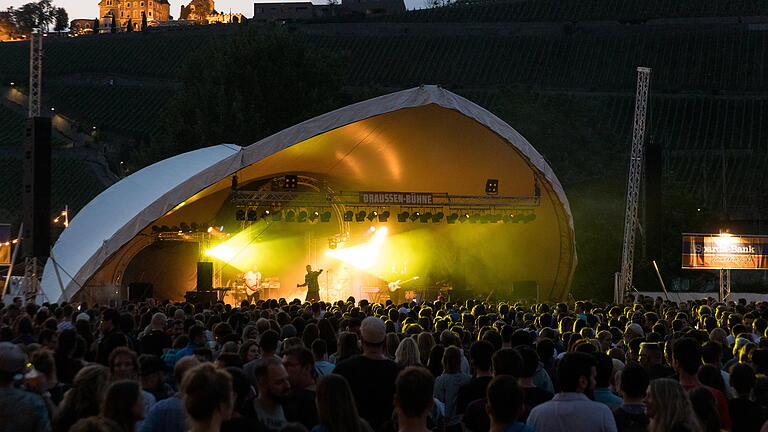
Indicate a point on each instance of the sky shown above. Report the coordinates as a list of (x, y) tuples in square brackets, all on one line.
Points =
[(90, 8)]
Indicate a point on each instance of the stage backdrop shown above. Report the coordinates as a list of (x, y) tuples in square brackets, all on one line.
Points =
[(725, 251)]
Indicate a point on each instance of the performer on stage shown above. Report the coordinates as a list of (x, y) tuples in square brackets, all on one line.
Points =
[(252, 284), (313, 286)]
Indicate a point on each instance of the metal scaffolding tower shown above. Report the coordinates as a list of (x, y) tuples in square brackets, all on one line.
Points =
[(35, 72), (624, 281)]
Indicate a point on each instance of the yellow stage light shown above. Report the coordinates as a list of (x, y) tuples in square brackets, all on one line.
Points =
[(363, 256)]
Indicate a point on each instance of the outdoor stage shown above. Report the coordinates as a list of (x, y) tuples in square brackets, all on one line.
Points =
[(419, 183)]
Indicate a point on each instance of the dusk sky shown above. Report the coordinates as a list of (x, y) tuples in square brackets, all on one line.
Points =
[(90, 9)]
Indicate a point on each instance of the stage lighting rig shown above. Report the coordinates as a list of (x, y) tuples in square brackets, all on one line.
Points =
[(325, 216), (348, 216), (291, 181), (372, 215), (452, 218), (276, 216), (425, 217), (266, 214), (492, 187), (464, 218), (414, 216), (240, 214), (402, 216), (290, 216), (360, 216), (252, 215), (313, 216), (383, 216), (302, 217), (437, 217), (185, 227)]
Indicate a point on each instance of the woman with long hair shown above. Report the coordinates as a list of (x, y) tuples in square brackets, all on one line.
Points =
[(124, 404), (407, 353), (208, 397), (347, 346), (391, 342), (249, 350), (84, 398), (668, 407), (336, 407), (425, 341)]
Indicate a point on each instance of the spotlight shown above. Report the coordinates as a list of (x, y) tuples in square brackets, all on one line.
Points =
[(437, 217), (165, 228), (509, 217), (325, 216), (240, 215), (252, 215), (372, 215), (414, 216), (475, 218), (290, 181), (348, 215), (529, 218), (276, 216), (193, 226), (360, 216), (452, 218), (402, 216), (302, 216), (464, 218), (313, 217), (185, 227), (383, 216), (290, 216), (426, 217), (492, 187)]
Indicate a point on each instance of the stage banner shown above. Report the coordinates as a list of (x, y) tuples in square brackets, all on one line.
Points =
[(719, 251), (395, 198)]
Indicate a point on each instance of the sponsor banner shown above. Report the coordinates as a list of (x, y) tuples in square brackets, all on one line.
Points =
[(406, 198), (720, 251)]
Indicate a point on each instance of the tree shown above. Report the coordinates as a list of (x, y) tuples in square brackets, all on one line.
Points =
[(113, 25), (143, 21), (129, 25), (96, 25), (243, 88), (34, 15), (61, 19)]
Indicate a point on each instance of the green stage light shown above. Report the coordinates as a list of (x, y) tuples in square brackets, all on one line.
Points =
[(402, 216), (426, 217), (452, 218), (314, 215), (360, 216), (302, 216), (414, 216), (348, 216), (325, 216), (240, 215), (252, 216), (383, 216), (372, 215), (464, 218), (437, 217), (290, 216), (276, 216)]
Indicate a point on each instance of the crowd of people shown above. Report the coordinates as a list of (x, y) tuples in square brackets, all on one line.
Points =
[(453, 366)]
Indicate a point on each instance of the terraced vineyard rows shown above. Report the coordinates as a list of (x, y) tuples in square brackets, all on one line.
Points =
[(705, 62), (581, 10), (133, 111), (74, 183), (11, 128)]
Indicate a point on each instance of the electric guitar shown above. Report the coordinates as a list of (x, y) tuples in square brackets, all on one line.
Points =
[(394, 286)]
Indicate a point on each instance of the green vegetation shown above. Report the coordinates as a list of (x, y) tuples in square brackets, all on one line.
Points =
[(581, 10), (11, 128)]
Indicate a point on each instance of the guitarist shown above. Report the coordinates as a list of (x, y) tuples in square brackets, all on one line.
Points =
[(252, 284), (313, 286)]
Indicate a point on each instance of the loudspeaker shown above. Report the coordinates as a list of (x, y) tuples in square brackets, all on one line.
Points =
[(201, 297), (528, 290), (36, 191), (653, 187), (204, 276), (140, 290)]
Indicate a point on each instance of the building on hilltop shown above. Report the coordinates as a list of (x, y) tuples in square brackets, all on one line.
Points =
[(134, 10), (82, 26), (197, 10), (225, 18), (374, 7)]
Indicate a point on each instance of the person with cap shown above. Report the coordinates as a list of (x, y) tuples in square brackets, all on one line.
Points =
[(371, 375), (20, 410), (152, 375)]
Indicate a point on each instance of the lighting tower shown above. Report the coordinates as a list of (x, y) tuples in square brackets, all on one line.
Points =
[(624, 282), (35, 72)]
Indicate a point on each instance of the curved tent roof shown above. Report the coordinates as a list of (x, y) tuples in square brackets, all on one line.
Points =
[(120, 213)]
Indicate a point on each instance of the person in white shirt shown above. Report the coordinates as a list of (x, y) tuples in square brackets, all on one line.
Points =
[(571, 410)]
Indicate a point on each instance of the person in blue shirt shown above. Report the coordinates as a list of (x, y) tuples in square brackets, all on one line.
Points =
[(505, 405), (197, 340), (602, 390)]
